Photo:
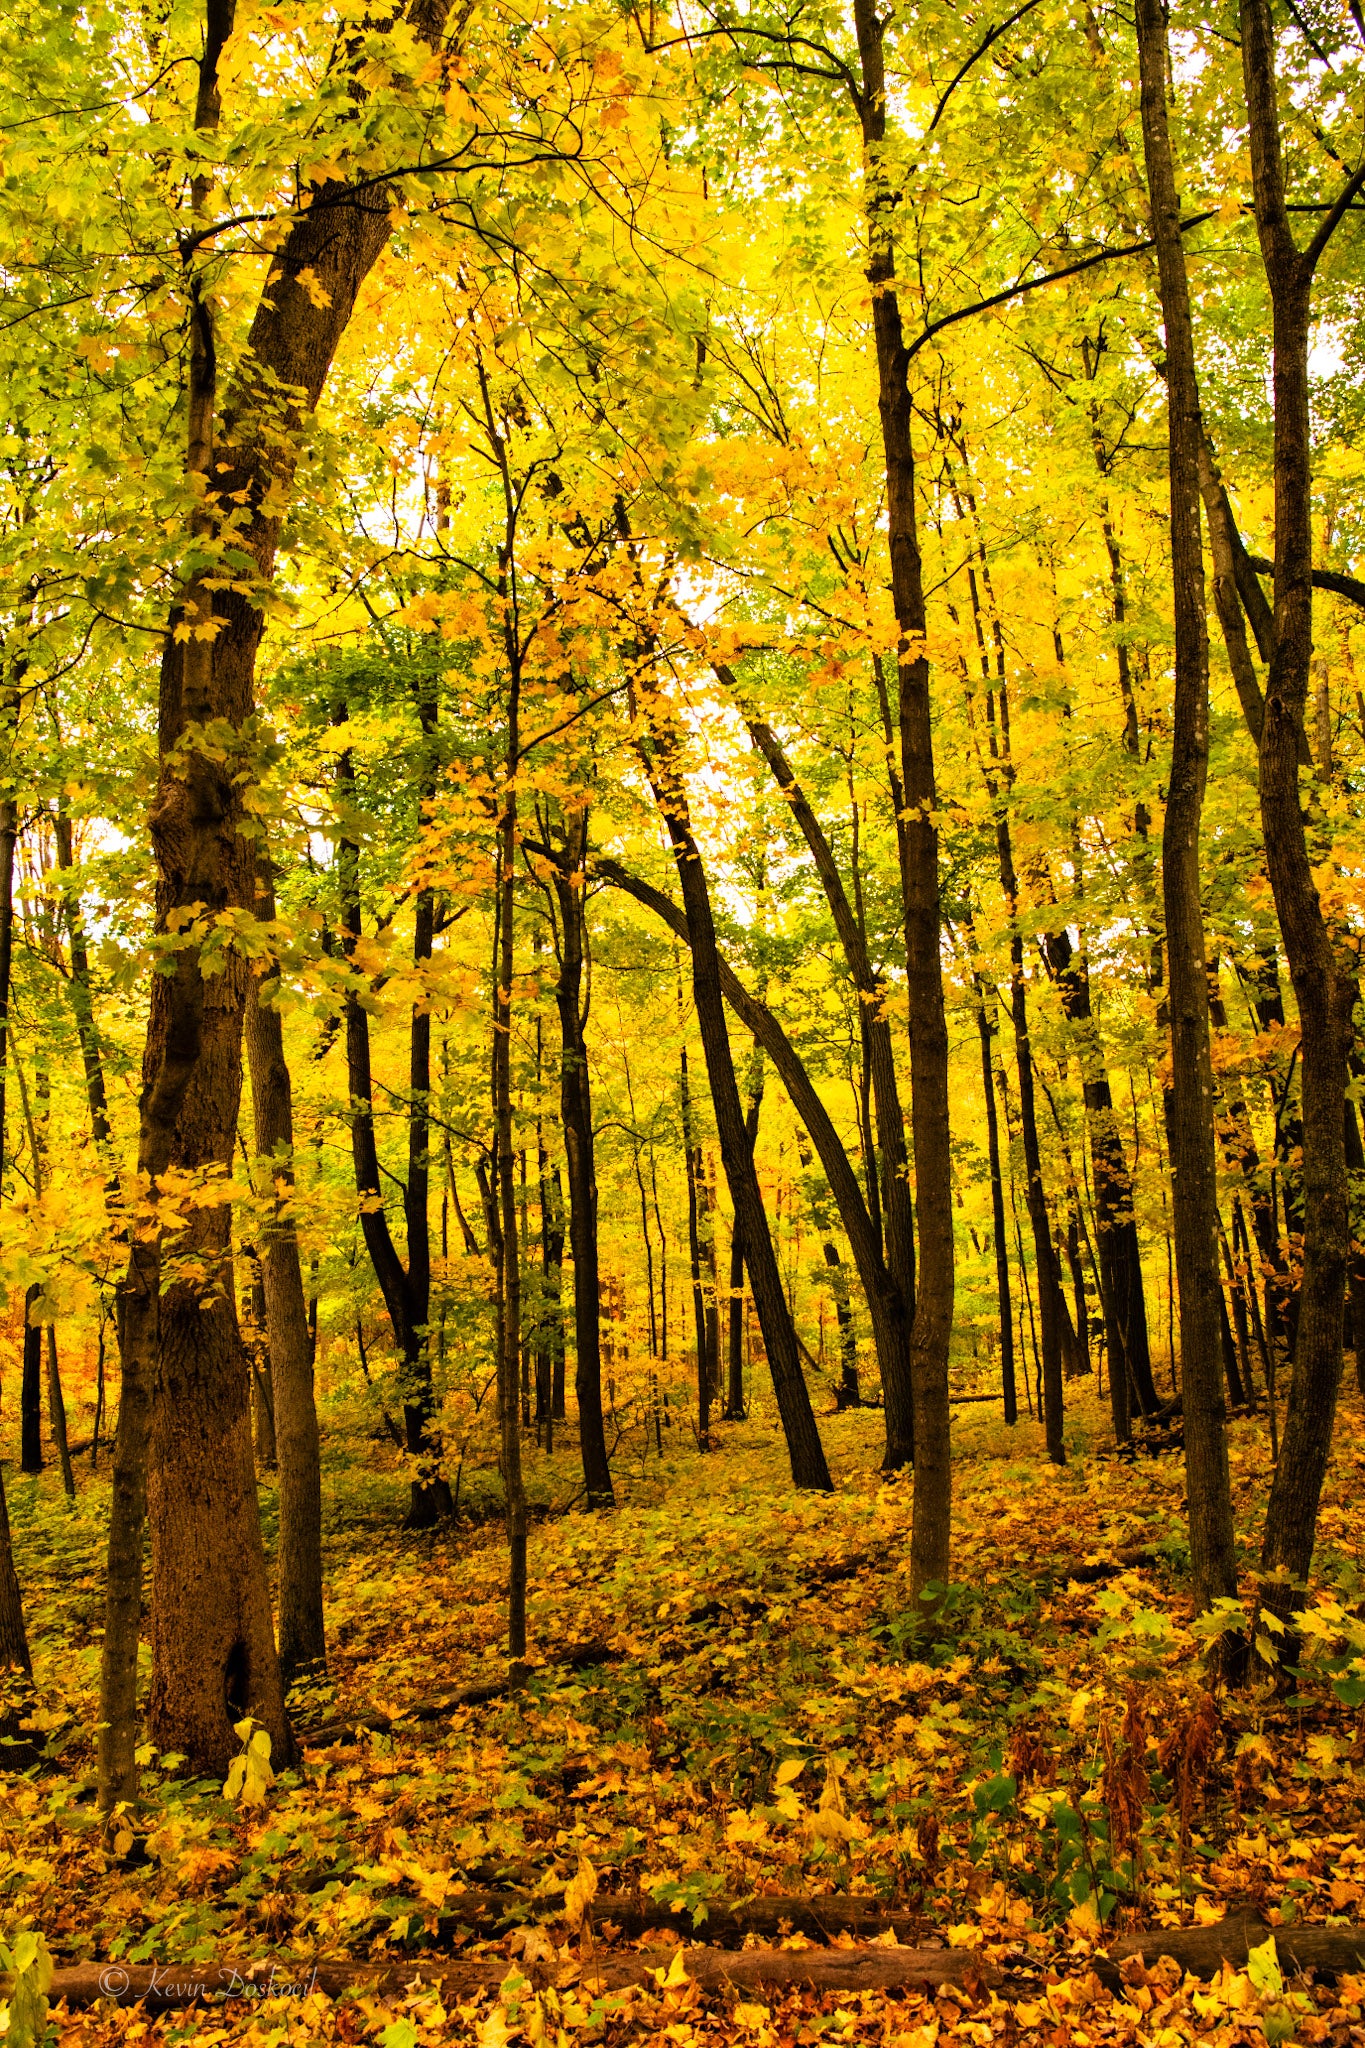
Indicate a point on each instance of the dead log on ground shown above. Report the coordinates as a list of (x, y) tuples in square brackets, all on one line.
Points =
[(723, 1921), (1331, 1951), (166, 1987)]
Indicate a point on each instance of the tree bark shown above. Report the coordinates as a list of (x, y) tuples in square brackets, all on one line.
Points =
[(1324, 992), (301, 1632), (692, 1166), (986, 1030), (660, 756), (885, 1308), (572, 997), (406, 1290), (509, 1276), (1194, 1192), (872, 998), (931, 1331), (734, 1395), (213, 1646)]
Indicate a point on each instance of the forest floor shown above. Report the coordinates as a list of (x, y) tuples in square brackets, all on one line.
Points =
[(770, 1715)]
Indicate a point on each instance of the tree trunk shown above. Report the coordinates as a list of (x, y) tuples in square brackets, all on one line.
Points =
[(509, 1276), (1324, 993), (575, 1096), (734, 1397), (302, 1638), (1194, 1192), (779, 1337), (885, 1308), (931, 1331), (692, 1165), (213, 1647), (985, 1025), (407, 1296), (876, 1022)]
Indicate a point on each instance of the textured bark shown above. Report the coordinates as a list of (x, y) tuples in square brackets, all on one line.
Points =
[(213, 1647), (660, 756), (301, 1633), (575, 1096), (931, 1331), (169, 1987), (872, 998), (1194, 1192), (1324, 993)]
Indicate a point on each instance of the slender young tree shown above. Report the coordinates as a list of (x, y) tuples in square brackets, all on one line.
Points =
[(572, 997)]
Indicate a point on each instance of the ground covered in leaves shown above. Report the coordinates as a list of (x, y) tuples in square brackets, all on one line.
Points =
[(1031, 1770)]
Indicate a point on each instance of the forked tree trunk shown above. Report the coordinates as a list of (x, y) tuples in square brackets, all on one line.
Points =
[(1194, 1191), (986, 1031), (931, 1332), (1324, 992)]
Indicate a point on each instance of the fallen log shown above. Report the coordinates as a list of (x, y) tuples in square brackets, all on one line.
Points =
[(722, 1921), (1330, 1951), (1126, 1560), (166, 1987), (347, 1727)]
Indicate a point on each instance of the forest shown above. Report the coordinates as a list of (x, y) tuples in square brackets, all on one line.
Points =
[(682, 877)]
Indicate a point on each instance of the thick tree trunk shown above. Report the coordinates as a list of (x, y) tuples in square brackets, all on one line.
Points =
[(213, 1647), (302, 1638), (580, 1160), (1325, 994), (931, 1330), (14, 1651), (779, 1337)]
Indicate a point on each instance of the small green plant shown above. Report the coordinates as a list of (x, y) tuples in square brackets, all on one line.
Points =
[(250, 1775), (27, 1969)]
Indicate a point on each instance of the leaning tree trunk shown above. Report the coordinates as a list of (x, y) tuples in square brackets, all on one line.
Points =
[(931, 1332), (580, 1161), (1194, 1192), (302, 1638), (886, 1311), (873, 1007), (804, 1448), (734, 1391), (1324, 992)]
